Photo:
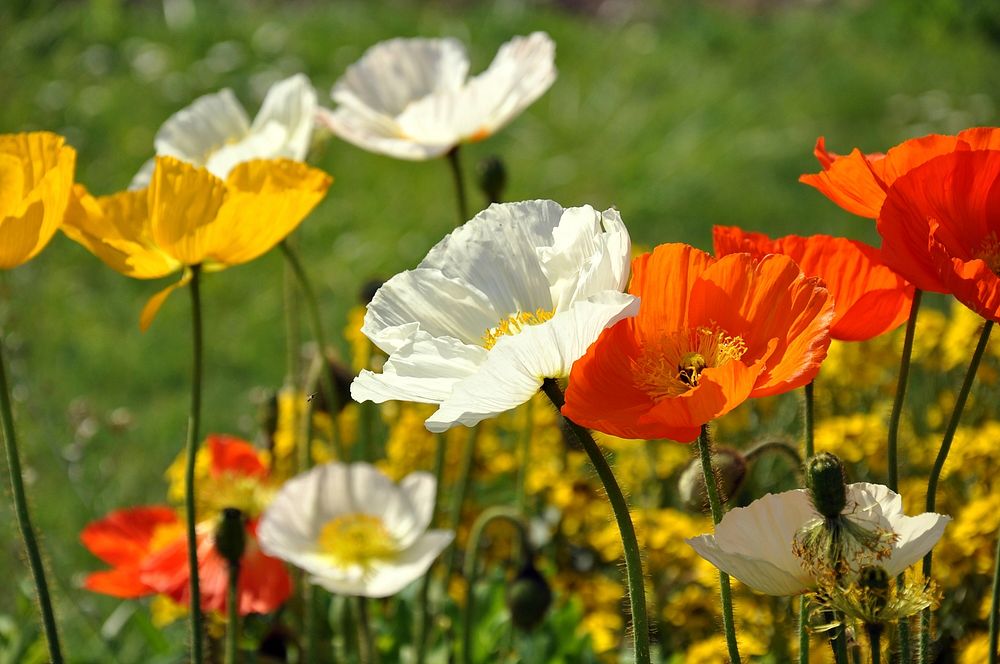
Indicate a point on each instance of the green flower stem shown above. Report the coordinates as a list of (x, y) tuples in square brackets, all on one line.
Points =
[(715, 502), (763, 447), (803, 630), (525, 453), (461, 491), (995, 608), (808, 423), (20, 499), (424, 613), (897, 404), (232, 614), (633, 559), (455, 162), (293, 332), (470, 569), (935, 476), (875, 639), (316, 321), (369, 654), (191, 452)]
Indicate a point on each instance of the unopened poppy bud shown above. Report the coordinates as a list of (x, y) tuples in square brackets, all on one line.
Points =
[(492, 178), (230, 538), (528, 597), (825, 481), (267, 415), (731, 469)]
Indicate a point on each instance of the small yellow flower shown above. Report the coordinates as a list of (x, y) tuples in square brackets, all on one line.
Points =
[(36, 176), (189, 217)]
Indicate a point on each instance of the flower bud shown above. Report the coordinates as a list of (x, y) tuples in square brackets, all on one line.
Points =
[(874, 582), (731, 469), (230, 538), (528, 597), (492, 175), (825, 481)]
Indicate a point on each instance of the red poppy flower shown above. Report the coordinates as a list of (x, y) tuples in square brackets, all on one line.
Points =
[(869, 299), (709, 334), (940, 228), (147, 550), (147, 546), (858, 182)]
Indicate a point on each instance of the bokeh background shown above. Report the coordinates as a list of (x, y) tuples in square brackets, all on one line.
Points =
[(680, 114)]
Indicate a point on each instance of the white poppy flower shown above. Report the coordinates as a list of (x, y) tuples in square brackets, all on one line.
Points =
[(354, 530), (510, 298), (409, 98), (214, 131), (754, 543)]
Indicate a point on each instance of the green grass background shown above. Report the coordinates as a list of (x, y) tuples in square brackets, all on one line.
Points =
[(682, 115)]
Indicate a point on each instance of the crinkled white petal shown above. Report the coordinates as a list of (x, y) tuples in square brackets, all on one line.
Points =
[(265, 143), (208, 123), (377, 133), (424, 370), (142, 178), (761, 575), (386, 579), (291, 105), (766, 528), (516, 366), (394, 73), (440, 305), (419, 487)]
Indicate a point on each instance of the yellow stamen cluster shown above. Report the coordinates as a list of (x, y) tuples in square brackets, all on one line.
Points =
[(513, 324), (357, 540), (672, 364)]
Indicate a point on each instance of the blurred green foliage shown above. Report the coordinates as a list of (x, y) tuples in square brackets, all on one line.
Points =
[(681, 114)]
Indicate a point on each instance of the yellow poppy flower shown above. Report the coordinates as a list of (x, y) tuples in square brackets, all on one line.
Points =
[(189, 217), (36, 175)]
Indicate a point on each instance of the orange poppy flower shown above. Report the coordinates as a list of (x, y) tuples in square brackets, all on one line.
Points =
[(147, 546), (858, 182), (709, 334), (869, 299), (940, 228)]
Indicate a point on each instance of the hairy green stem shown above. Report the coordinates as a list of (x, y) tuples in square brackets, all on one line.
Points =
[(525, 453), (191, 453), (470, 569), (455, 162), (316, 322), (233, 614), (935, 476), (875, 639), (461, 491), (630, 546), (803, 630), (293, 332), (897, 403), (715, 502), (780, 446), (808, 424), (23, 517)]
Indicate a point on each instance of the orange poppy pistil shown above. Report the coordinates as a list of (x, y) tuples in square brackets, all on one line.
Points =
[(672, 364)]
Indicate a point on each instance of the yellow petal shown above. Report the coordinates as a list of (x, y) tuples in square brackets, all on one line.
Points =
[(46, 178), (11, 184), (184, 202), (153, 304), (266, 200), (116, 230)]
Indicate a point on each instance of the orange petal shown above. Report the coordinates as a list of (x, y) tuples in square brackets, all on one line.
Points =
[(125, 536), (121, 582), (233, 455), (663, 279), (850, 183)]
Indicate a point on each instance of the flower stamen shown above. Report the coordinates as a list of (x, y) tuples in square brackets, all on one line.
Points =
[(513, 324), (672, 364), (357, 540)]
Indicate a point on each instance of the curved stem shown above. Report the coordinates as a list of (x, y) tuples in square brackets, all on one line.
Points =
[(942, 456), (455, 163), (191, 452), (633, 558), (897, 403), (232, 614), (781, 446), (23, 517), (714, 501), (808, 426), (471, 572), (424, 614), (316, 322)]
